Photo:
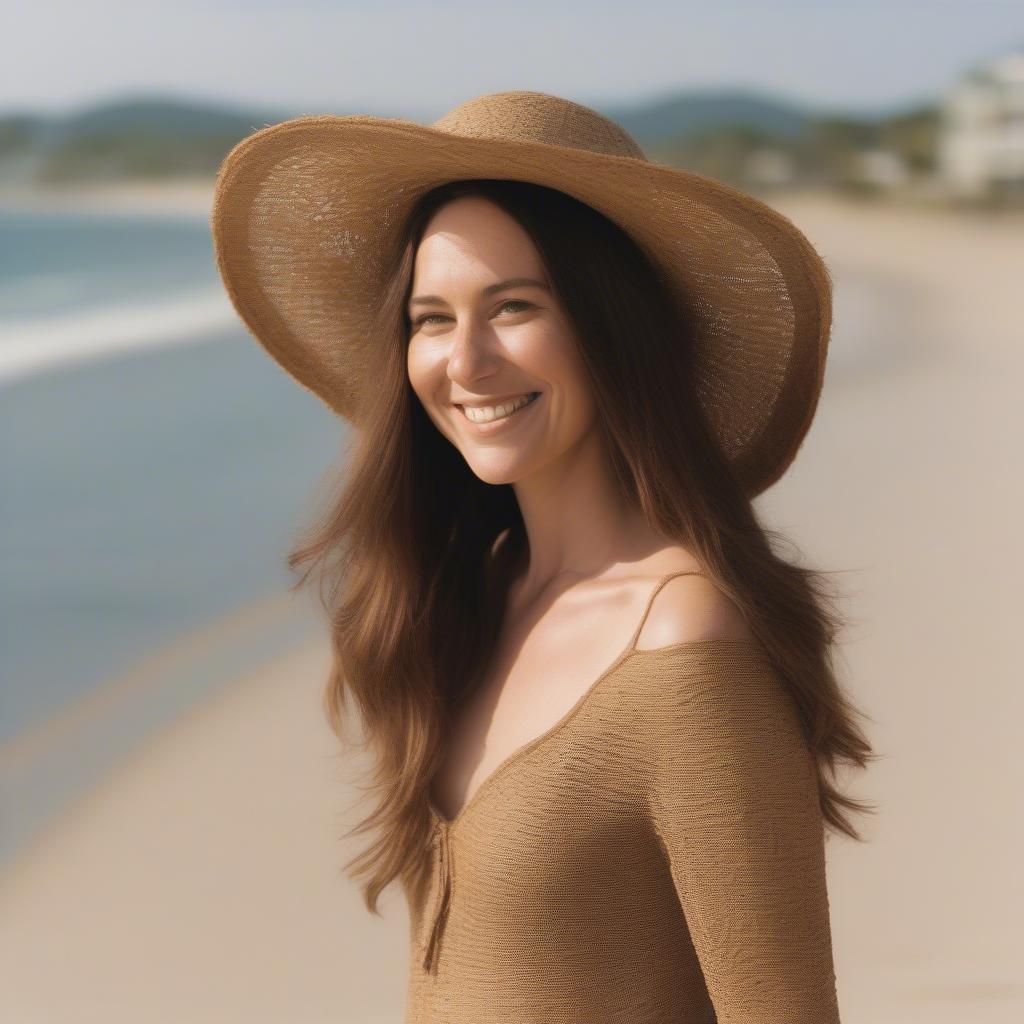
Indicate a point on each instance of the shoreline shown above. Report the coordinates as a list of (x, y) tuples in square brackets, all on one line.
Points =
[(53, 762)]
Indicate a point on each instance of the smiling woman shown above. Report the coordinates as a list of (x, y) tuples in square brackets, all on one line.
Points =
[(601, 707), (506, 386), (494, 404), (522, 389)]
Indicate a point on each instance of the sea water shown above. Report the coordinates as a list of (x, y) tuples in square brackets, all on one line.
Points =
[(156, 467)]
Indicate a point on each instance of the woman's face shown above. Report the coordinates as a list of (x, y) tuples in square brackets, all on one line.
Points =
[(478, 341)]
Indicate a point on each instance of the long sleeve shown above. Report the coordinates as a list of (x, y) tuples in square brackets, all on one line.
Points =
[(733, 797)]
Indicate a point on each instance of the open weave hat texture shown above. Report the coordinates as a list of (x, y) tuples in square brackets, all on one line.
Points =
[(307, 214)]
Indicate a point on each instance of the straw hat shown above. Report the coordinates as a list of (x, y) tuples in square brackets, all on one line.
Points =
[(306, 214)]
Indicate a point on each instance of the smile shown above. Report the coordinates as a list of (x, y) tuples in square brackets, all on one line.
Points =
[(492, 415)]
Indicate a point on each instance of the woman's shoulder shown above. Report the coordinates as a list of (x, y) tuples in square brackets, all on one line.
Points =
[(689, 606)]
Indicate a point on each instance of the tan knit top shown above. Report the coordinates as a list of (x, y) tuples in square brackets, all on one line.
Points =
[(655, 856)]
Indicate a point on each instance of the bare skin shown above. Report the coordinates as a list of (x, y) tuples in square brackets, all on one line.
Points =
[(592, 560)]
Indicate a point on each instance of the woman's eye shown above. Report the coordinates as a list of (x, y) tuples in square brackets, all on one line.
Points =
[(514, 302), (427, 317)]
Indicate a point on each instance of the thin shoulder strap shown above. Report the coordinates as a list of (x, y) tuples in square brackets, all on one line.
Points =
[(654, 593)]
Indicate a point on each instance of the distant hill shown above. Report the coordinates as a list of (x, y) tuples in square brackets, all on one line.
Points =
[(710, 131), (132, 138), (685, 115)]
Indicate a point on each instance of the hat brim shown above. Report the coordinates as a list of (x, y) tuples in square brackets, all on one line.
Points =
[(305, 213)]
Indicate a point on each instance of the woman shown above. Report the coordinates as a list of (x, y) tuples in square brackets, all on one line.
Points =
[(601, 707)]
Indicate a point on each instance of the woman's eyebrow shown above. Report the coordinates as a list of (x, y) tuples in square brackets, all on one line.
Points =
[(512, 282)]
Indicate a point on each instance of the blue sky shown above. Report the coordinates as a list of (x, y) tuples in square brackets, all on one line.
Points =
[(420, 59)]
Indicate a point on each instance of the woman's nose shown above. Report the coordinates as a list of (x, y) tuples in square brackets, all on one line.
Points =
[(471, 355)]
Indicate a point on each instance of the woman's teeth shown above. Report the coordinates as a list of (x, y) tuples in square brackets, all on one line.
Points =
[(487, 413)]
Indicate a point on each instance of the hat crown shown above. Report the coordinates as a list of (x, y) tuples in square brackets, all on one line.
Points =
[(539, 117)]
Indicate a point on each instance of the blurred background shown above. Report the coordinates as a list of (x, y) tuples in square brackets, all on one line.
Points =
[(172, 801)]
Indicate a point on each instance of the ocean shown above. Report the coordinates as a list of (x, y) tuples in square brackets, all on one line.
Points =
[(157, 466)]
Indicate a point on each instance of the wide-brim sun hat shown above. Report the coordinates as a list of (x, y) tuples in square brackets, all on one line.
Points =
[(307, 212)]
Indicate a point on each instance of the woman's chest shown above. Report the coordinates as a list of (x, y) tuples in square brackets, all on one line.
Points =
[(562, 784), (552, 847), (496, 728), (523, 703)]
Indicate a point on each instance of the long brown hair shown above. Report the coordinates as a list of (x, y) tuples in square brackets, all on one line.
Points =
[(415, 553)]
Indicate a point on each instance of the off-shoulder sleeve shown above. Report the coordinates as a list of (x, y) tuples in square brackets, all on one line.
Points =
[(732, 794)]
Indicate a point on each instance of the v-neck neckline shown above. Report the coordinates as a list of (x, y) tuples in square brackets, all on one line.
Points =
[(630, 651), (521, 751)]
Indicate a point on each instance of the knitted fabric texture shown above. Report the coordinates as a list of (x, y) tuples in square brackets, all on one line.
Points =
[(655, 856)]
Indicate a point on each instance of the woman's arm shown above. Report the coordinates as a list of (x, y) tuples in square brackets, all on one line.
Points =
[(733, 796)]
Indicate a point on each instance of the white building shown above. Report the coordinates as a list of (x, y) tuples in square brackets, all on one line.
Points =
[(883, 167), (981, 137)]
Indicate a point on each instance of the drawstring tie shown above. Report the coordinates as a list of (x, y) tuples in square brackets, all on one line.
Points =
[(443, 899)]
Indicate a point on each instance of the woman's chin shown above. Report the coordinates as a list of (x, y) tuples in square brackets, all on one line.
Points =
[(494, 467)]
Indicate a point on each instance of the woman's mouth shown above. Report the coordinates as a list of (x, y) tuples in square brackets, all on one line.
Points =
[(491, 417)]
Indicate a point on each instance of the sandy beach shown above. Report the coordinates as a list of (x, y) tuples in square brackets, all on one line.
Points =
[(202, 880), (183, 198)]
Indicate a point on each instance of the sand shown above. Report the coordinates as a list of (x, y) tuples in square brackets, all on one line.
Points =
[(192, 197), (201, 882)]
